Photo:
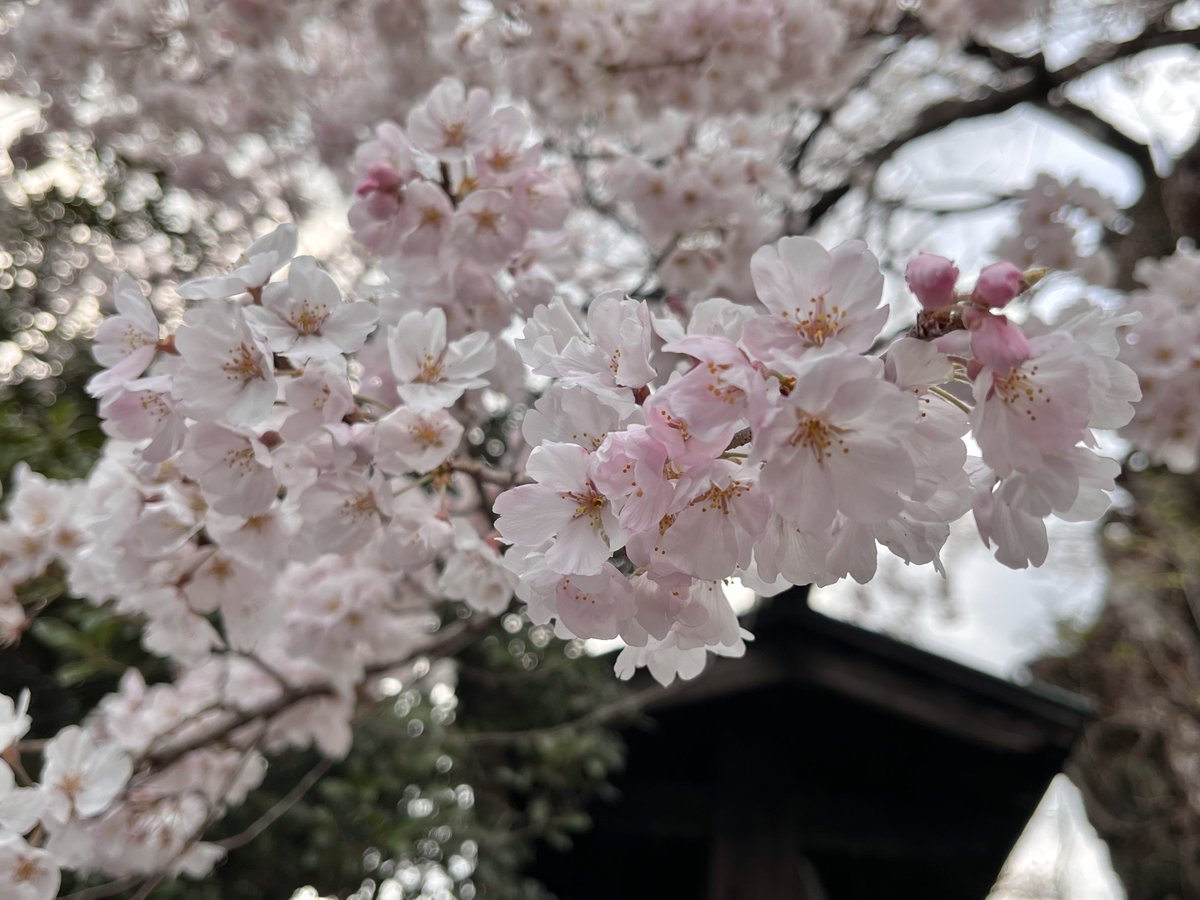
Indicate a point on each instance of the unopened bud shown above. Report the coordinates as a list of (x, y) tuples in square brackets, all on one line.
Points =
[(998, 284), (932, 279)]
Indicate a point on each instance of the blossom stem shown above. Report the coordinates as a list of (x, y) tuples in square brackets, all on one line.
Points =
[(949, 398)]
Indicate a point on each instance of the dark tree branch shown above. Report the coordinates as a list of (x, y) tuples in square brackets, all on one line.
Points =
[(1035, 83)]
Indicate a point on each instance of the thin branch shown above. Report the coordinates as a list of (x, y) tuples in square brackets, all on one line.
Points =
[(598, 716), (450, 640), (740, 439), (623, 68), (656, 260), (1038, 85), (267, 819), (485, 473), (111, 889)]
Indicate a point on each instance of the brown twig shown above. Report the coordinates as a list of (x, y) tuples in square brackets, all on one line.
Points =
[(267, 819)]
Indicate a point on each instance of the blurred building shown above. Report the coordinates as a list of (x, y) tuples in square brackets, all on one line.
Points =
[(831, 763)]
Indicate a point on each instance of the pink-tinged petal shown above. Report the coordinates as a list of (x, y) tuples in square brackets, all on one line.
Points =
[(560, 467), (997, 343), (790, 272), (868, 480), (531, 515), (580, 548)]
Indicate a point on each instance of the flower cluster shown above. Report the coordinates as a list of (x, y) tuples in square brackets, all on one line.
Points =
[(1161, 347), (79, 780), (1057, 226), (769, 446), (704, 205), (1038, 393), (460, 189)]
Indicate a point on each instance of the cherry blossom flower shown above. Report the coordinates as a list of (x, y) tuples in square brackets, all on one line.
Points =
[(1038, 407), (475, 573), (564, 506), (485, 231), (226, 371), (262, 259), (341, 513), (233, 468), (14, 719), (20, 808), (505, 156), (412, 441), (716, 392), (320, 396), (540, 201), (633, 470), (572, 415), (27, 873), (125, 344), (145, 409), (305, 317), (837, 443), (595, 605), (432, 214), (614, 356), (451, 124), (817, 298), (715, 531), (81, 778), (431, 373)]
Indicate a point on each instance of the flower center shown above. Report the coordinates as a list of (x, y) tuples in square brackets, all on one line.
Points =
[(720, 497), (242, 459), (487, 219), (1020, 392), (454, 134), (817, 436), (25, 870), (72, 785), (426, 433), (720, 388), (310, 319), (588, 502), (431, 369), (244, 364), (819, 324), (361, 507)]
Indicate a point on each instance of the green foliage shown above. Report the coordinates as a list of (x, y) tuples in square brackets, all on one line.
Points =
[(461, 781)]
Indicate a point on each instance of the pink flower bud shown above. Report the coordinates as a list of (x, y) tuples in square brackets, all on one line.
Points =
[(997, 343), (932, 279), (381, 177), (998, 283)]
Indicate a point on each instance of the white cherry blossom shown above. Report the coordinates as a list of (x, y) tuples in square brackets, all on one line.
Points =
[(262, 259), (14, 719), (226, 370), (80, 777), (125, 344), (306, 318), (430, 372)]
